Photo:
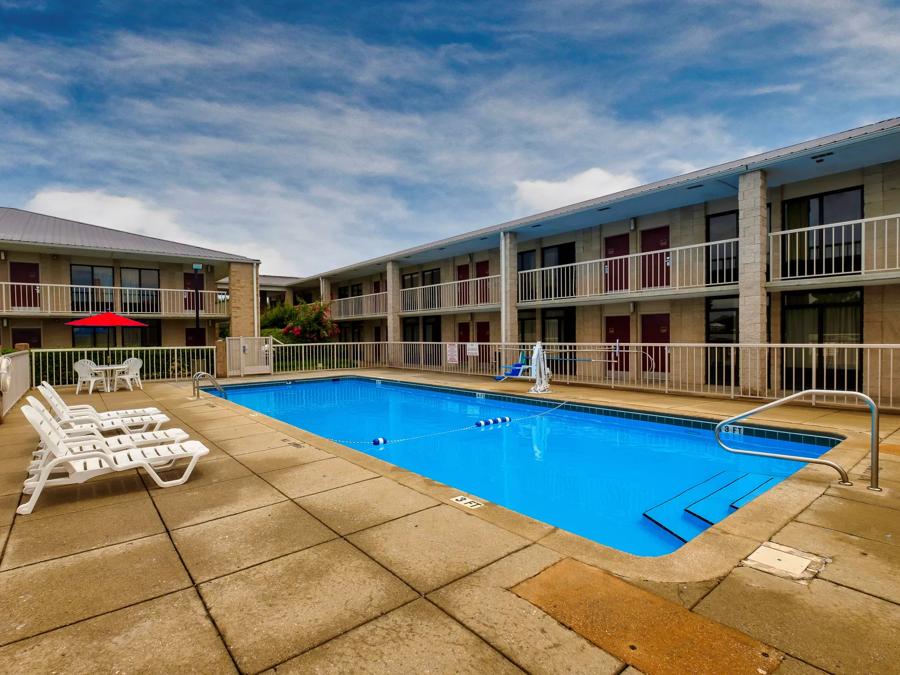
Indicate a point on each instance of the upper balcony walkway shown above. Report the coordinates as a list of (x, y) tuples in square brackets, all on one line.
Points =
[(360, 306), (481, 293), (20, 299)]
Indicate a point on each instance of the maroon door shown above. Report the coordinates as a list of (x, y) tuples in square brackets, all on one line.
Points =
[(483, 337), (195, 337), (376, 286), (655, 329), (29, 275), (189, 288), (462, 293), (482, 269), (616, 271), (464, 332), (655, 267), (618, 330)]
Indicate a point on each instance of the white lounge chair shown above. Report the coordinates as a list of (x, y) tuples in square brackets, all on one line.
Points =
[(67, 467), (48, 389), (130, 374), (68, 419), (100, 429), (87, 374)]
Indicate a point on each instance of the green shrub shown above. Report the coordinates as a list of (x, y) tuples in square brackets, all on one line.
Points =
[(278, 316)]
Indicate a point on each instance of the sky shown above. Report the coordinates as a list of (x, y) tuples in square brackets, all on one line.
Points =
[(316, 134)]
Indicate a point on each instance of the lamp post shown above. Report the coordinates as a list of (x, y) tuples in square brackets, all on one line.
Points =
[(197, 268)]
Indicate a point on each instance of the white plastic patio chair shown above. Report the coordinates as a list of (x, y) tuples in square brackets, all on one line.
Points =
[(87, 374), (84, 407), (70, 419), (130, 374), (66, 467), (100, 429)]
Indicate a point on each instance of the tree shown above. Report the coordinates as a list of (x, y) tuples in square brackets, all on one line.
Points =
[(311, 323)]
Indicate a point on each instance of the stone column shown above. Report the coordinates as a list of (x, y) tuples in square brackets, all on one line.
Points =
[(393, 302), (509, 282), (753, 250), (324, 289), (243, 289)]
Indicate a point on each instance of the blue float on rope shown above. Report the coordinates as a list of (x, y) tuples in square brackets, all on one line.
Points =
[(379, 441), (491, 420)]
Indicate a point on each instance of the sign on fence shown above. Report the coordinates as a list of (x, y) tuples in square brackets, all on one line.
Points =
[(452, 353), (472, 349)]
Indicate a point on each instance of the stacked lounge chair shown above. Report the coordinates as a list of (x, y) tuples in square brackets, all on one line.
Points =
[(78, 443)]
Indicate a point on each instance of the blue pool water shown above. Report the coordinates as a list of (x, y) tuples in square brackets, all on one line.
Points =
[(640, 486)]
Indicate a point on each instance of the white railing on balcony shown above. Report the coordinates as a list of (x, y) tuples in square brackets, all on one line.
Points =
[(359, 306), (756, 371), (67, 300), (56, 366), (684, 267), (14, 380), (860, 247), (466, 294)]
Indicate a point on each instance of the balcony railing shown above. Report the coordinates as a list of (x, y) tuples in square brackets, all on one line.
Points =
[(66, 300), (867, 247), (359, 306), (685, 267), (466, 294)]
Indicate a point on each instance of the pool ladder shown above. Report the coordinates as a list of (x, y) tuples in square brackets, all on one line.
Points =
[(201, 376), (845, 479)]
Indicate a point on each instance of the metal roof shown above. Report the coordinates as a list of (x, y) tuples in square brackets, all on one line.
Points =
[(267, 280), (28, 228), (871, 144)]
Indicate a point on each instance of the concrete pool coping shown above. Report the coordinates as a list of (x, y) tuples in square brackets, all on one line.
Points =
[(710, 555)]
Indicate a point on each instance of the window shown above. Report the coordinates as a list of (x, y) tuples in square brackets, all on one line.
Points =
[(90, 295), (409, 280), (355, 290), (343, 292), (31, 336), (430, 296), (559, 283), (431, 329), (832, 316), (827, 251), (527, 284), (151, 336), (527, 260), (527, 325), (722, 258), (722, 329), (351, 332), (84, 337), (140, 294), (431, 277)]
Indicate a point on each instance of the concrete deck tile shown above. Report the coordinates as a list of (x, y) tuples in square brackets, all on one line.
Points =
[(4, 535), (209, 470), (273, 611), (831, 627), (863, 564), (223, 546), (685, 594), (527, 636), (46, 538), (282, 457), (863, 520), (256, 442), (361, 505), (197, 505), (8, 505), (307, 479), (433, 547), (102, 491), (791, 666), (168, 634), (51, 594), (11, 481), (234, 431), (640, 628), (416, 638), (888, 497)]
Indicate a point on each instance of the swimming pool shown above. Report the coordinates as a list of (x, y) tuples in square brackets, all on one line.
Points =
[(640, 483)]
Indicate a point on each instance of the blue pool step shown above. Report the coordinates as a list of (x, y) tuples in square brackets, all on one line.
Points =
[(717, 505), (672, 515), (756, 492)]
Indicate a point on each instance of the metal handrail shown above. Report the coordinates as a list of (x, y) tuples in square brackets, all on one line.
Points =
[(845, 479), (201, 375)]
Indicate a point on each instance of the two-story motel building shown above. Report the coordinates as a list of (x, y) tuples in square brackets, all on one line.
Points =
[(796, 245), (53, 270)]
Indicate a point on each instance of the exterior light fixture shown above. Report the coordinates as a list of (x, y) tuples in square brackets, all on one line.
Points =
[(632, 224)]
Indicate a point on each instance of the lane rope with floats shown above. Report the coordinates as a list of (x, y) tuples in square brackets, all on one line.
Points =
[(480, 424)]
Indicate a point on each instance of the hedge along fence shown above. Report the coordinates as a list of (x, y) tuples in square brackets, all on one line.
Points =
[(56, 366)]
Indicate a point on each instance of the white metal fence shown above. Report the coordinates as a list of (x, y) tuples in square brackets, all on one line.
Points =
[(756, 371), (14, 380), (861, 247), (468, 293), (684, 267), (41, 299), (373, 304), (160, 363)]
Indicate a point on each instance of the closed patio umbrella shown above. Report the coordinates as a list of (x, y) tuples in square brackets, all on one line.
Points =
[(107, 320)]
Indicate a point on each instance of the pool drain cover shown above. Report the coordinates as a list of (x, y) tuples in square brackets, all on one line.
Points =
[(784, 561)]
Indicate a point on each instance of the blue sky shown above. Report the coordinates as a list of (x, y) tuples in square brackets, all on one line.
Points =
[(314, 134)]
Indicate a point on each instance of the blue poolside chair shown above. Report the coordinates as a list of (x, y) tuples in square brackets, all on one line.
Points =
[(515, 370)]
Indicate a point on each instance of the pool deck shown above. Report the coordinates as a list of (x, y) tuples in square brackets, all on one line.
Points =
[(287, 551)]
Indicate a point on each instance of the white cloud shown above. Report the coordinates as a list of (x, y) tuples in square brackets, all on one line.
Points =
[(543, 195)]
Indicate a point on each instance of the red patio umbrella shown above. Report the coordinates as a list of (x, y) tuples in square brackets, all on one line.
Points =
[(107, 320)]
